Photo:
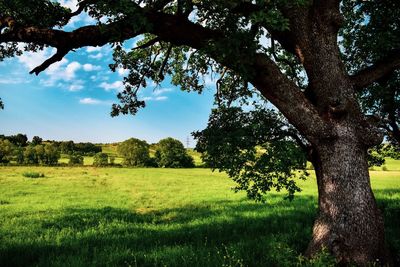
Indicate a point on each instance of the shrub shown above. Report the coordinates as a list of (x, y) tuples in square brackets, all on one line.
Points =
[(112, 160), (384, 168), (33, 175), (75, 159), (171, 153), (51, 154), (100, 160), (6, 151), (135, 152)]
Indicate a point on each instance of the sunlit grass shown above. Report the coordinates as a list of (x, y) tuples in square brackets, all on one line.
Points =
[(86, 216)]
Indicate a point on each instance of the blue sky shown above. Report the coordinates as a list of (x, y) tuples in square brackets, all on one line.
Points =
[(72, 99)]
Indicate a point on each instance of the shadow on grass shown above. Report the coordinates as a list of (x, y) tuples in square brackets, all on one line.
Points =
[(226, 233)]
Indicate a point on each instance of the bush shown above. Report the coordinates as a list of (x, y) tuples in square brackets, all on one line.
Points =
[(6, 151), (75, 159), (100, 160), (135, 152), (47, 154), (171, 153), (384, 168), (33, 175), (112, 160)]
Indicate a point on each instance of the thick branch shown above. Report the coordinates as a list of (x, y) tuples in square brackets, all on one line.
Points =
[(56, 57), (380, 69), (147, 44), (82, 5)]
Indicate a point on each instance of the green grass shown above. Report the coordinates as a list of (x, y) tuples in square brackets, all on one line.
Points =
[(196, 156), (85, 216)]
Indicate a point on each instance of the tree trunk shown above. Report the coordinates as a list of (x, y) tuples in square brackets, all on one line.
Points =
[(349, 224)]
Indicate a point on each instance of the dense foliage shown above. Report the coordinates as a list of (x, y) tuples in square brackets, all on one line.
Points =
[(253, 148), (75, 159), (100, 160), (135, 152), (170, 153), (375, 35), (6, 151), (18, 140), (88, 149), (47, 154)]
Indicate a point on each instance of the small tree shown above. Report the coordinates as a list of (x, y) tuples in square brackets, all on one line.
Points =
[(67, 147), (52, 154), (36, 140), (135, 152), (40, 154), (75, 159), (30, 156), (6, 150), (19, 155), (100, 160), (171, 153)]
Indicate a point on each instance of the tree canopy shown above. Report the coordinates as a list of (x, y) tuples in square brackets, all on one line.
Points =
[(171, 153), (135, 152)]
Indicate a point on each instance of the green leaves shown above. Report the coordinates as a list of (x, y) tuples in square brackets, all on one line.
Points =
[(40, 13), (135, 152), (253, 148), (171, 153)]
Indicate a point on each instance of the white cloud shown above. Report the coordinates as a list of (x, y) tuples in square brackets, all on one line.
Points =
[(75, 87), (96, 56), (122, 71), (61, 71), (151, 98), (31, 60), (92, 49), (71, 4), (157, 95), (90, 67), (161, 91), (93, 101), (12, 80), (118, 86), (71, 70)]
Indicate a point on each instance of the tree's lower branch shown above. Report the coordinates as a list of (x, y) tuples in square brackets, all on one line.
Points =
[(375, 72), (55, 58)]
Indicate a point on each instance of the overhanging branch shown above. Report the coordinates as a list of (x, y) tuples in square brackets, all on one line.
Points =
[(375, 72), (53, 59)]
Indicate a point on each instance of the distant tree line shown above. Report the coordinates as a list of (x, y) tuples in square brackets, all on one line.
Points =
[(167, 153), (86, 149), (30, 154), (17, 148)]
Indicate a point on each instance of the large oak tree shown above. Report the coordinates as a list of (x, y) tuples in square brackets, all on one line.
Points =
[(315, 61)]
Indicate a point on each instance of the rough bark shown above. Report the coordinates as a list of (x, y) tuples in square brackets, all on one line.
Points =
[(349, 224)]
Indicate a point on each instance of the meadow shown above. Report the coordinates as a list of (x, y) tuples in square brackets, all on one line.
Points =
[(85, 216)]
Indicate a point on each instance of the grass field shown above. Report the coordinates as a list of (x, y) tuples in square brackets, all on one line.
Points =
[(87, 216)]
